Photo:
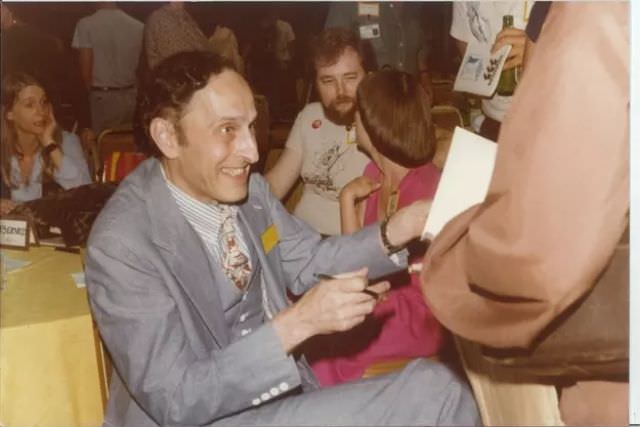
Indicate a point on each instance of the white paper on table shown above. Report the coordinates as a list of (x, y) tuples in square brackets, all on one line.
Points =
[(464, 181), (11, 264), (479, 71), (78, 278)]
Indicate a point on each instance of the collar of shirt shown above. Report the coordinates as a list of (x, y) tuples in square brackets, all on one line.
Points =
[(205, 218)]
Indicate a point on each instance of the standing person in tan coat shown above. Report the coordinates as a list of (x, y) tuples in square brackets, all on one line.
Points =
[(558, 202)]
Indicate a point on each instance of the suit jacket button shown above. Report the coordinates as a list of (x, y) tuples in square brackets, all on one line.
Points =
[(265, 397), (283, 386), (255, 402), (274, 391)]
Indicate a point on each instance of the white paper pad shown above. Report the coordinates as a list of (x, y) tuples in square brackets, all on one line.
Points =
[(464, 181)]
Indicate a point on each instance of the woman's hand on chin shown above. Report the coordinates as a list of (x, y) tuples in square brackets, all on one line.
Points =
[(46, 137)]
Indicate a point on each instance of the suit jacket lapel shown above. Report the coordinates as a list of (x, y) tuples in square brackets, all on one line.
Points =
[(254, 221), (186, 256)]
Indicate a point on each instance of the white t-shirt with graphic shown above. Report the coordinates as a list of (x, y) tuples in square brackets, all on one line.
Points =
[(330, 160), (480, 22)]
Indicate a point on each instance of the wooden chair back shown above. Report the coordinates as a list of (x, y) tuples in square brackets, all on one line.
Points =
[(118, 154), (446, 116), (504, 397)]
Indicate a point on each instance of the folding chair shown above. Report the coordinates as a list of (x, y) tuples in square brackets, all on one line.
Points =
[(504, 398), (442, 91), (446, 116), (118, 154)]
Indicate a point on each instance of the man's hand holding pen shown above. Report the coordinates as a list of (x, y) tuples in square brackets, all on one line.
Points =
[(366, 290), (337, 303)]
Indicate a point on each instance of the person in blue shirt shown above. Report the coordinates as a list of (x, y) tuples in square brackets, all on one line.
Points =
[(36, 153)]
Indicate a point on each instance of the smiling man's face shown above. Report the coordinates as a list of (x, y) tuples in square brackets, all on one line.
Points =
[(217, 141)]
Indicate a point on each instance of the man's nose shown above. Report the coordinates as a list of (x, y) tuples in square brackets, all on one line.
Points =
[(247, 147), (340, 88)]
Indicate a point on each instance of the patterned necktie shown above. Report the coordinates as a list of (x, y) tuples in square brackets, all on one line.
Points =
[(235, 263)]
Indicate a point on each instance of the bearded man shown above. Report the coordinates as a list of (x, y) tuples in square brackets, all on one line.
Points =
[(321, 146)]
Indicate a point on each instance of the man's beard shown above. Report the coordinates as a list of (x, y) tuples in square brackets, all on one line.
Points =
[(342, 118)]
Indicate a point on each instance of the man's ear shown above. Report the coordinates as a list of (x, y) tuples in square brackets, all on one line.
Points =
[(164, 135)]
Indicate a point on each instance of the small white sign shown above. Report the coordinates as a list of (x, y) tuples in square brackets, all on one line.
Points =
[(368, 9), (14, 233), (370, 31)]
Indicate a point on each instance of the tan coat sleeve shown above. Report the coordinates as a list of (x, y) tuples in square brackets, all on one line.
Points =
[(559, 198)]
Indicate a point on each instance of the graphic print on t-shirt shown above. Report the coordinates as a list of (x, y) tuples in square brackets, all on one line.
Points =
[(479, 25), (326, 165)]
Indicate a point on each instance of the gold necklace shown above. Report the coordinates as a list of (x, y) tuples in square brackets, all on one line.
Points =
[(392, 203)]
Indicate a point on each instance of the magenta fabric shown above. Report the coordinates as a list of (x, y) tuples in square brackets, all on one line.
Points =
[(401, 326)]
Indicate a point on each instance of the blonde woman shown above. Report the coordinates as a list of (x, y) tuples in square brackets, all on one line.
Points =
[(36, 153)]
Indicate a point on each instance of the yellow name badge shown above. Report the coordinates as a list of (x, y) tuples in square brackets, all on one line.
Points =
[(269, 238)]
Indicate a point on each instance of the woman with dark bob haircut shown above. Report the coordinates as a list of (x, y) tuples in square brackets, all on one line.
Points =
[(393, 126)]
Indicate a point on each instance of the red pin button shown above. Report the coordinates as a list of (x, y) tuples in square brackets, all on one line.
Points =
[(316, 124)]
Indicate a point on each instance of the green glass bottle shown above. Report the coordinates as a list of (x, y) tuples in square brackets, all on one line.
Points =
[(507, 83)]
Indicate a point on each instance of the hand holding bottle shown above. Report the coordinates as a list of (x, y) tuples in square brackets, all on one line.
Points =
[(517, 39)]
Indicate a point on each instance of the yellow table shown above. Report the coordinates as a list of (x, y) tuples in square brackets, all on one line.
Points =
[(50, 371)]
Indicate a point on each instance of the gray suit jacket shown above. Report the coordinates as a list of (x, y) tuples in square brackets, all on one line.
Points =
[(155, 298)]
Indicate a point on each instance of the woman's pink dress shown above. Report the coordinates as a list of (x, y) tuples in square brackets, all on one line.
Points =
[(401, 326)]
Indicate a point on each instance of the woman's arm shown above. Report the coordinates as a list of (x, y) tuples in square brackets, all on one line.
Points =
[(352, 197), (70, 166), (285, 172)]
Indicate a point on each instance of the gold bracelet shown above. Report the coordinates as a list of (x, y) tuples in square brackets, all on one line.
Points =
[(385, 240)]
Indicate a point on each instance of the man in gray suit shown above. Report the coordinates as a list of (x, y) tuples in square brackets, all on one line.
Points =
[(187, 271)]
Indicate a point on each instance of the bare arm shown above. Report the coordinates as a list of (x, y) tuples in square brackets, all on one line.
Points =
[(85, 59), (351, 214), (46, 139), (352, 199), (285, 172)]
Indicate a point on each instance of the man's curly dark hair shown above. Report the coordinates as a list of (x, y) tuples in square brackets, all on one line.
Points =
[(170, 85)]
